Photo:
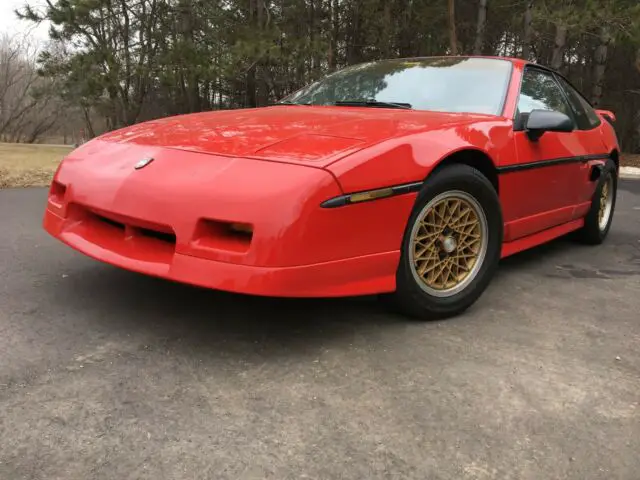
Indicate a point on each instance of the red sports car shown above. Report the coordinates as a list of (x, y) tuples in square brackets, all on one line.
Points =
[(409, 178)]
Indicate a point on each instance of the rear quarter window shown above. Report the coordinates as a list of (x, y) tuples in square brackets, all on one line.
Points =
[(585, 115)]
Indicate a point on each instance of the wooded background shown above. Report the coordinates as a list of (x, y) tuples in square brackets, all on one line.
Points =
[(112, 63)]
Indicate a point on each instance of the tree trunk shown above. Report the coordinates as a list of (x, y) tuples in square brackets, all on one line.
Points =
[(387, 41), (333, 40), (482, 23), (354, 36), (87, 121), (113, 116), (262, 89), (453, 37), (251, 100), (315, 28), (557, 59), (528, 30), (600, 61), (406, 34), (192, 89), (636, 147)]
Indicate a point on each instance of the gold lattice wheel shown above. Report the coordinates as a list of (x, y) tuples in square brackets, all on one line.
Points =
[(606, 201), (448, 243)]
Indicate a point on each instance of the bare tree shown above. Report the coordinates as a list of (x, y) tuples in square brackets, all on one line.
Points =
[(29, 106), (17, 77)]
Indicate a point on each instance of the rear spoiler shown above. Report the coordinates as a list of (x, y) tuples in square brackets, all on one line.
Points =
[(607, 114)]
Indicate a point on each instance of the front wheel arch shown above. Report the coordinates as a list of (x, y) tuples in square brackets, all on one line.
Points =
[(409, 297), (473, 158)]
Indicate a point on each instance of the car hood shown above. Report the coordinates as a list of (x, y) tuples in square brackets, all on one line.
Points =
[(294, 134)]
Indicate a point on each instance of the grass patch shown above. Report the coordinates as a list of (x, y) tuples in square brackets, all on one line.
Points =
[(24, 165)]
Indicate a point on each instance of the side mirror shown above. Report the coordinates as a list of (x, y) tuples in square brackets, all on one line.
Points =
[(541, 121), (608, 114)]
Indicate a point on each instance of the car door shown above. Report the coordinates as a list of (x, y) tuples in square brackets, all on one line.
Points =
[(547, 169), (588, 125)]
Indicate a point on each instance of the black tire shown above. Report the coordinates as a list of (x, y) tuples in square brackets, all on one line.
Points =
[(410, 298), (592, 233)]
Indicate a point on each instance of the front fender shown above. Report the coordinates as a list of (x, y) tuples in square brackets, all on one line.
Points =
[(412, 158)]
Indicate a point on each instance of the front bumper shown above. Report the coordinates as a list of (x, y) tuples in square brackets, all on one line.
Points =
[(363, 275), (167, 220)]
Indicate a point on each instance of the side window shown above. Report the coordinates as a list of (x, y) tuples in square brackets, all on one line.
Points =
[(540, 91), (585, 115)]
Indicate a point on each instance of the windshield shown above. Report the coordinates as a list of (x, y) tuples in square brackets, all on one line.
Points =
[(444, 84)]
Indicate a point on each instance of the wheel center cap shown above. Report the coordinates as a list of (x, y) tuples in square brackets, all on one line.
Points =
[(449, 244)]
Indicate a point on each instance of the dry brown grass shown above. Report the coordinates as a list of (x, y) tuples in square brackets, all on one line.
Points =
[(29, 165), (629, 160)]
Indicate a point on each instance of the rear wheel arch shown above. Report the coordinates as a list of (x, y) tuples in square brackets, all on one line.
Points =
[(615, 156), (594, 231), (473, 158)]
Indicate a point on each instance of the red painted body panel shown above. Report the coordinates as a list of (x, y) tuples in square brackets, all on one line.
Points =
[(411, 158), (538, 238), (271, 168), (312, 135), (357, 275)]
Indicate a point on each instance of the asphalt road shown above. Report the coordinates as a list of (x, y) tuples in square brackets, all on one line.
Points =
[(108, 374)]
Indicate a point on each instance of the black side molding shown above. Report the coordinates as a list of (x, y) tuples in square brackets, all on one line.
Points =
[(394, 190), (551, 162)]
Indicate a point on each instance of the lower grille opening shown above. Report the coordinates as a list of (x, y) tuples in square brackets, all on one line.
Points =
[(221, 235), (57, 192), (138, 228), (163, 236), (138, 239), (113, 223)]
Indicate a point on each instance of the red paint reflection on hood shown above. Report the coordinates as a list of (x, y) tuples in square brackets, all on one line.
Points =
[(285, 133)]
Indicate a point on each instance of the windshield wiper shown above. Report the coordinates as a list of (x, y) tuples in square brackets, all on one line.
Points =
[(373, 103), (290, 103)]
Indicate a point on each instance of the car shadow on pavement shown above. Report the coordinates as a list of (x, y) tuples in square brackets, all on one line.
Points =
[(564, 249), (118, 302), (121, 303)]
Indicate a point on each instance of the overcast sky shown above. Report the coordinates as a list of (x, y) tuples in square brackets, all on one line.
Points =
[(10, 24)]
